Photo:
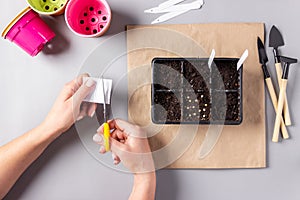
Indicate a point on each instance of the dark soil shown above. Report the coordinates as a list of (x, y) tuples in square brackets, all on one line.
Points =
[(168, 74), (225, 75), (196, 107), (197, 75), (195, 100), (171, 104), (225, 106)]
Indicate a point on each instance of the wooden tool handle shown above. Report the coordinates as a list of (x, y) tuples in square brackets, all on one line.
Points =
[(278, 72), (279, 110), (272, 93), (286, 110)]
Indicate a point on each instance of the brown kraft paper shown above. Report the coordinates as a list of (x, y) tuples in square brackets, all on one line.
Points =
[(239, 146)]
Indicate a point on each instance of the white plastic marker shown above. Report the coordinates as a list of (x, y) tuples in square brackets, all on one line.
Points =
[(164, 5), (170, 3), (242, 59), (214, 132), (189, 6), (173, 10), (168, 16), (97, 95), (211, 57)]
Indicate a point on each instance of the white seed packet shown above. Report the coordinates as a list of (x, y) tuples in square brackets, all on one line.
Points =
[(97, 96)]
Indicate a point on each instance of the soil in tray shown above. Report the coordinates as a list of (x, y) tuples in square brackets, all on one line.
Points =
[(224, 75), (169, 109), (167, 74), (196, 107), (195, 100), (226, 105), (197, 75)]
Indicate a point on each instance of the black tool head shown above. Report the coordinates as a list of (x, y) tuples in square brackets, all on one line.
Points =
[(288, 60), (263, 59), (275, 38)]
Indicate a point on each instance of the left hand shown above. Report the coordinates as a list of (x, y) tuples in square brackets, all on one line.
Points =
[(68, 106)]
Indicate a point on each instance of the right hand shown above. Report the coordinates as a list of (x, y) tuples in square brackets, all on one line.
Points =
[(129, 144)]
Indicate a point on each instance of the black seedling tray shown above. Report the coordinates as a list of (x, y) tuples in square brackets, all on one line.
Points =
[(186, 91)]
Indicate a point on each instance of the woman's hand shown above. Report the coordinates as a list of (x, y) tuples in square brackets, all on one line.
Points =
[(129, 144), (17, 155), (68, 106)]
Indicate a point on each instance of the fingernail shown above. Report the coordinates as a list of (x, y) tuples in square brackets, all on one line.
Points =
[(79, 118), (116, 162), (114, 157), (97, 138), (92, 115), (102, 149), (90, 82)]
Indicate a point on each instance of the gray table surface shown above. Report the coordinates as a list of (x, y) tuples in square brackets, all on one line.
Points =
[(67, 171)]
